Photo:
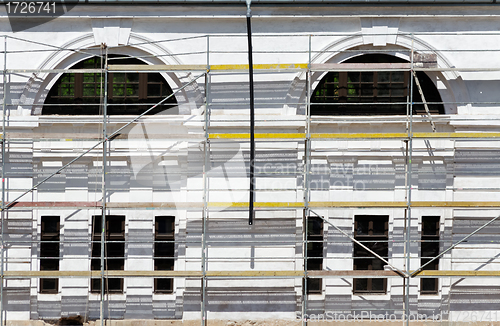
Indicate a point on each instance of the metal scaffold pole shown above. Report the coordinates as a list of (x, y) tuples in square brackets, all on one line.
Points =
[(307, 158), (405, 279), (206, 164), (2, 248), (408, 190), (103, 185)]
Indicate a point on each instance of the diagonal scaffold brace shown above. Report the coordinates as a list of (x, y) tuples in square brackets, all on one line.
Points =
[(109, 138)]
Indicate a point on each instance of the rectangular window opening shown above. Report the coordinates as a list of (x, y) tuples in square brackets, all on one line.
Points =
[(429, 248), (49, 252), (371, 231), (111, 285), (164, 252), (114, 251), (314, 253)]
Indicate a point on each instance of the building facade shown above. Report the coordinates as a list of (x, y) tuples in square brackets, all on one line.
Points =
[(127, 155)]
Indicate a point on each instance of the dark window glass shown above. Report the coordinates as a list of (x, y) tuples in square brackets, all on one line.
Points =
[(429, 286), (111, 285), (314, 252), (430, 226), (114, 251), (371, 231), (49, 252), (164, 252), (128, 93), (429, 248), (372, 93), (163, 249), (164, 226), (49, 285), (314, 286), (164, 285)]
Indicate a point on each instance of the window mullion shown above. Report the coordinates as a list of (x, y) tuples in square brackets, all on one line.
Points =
[(110, 85), (405, 81), (143, 85), (343, 86), (78, 85)]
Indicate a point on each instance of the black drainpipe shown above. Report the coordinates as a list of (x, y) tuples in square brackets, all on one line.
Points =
[(252, 113)]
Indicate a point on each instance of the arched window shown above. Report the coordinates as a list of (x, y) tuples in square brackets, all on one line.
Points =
[(372, 93), (128, 93)]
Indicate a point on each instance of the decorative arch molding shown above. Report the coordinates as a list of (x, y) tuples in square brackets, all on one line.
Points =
[(449, 83), (38, 86)]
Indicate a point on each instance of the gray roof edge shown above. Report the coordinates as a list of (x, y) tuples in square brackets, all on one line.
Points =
[(287, 2)]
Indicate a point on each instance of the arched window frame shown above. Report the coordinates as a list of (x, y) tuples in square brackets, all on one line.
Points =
[(129, 93), (377, 92)]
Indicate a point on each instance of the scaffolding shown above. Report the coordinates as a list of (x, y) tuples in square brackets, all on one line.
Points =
[(302, 134)]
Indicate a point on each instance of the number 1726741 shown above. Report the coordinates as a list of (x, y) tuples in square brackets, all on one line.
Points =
[(30, 8)]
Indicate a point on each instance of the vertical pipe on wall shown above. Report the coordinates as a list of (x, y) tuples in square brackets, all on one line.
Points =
[(307, 154), (206, 151), (409, 187), (3, 176), (252, 113), (103, 185), (407, 182)]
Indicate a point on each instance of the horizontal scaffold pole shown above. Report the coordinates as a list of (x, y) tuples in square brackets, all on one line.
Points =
[(259, 136), (65, 137), (433, 274), (261, 205), (243, 274), (155, 68), (326, 136), (287, 66), (320, 67)]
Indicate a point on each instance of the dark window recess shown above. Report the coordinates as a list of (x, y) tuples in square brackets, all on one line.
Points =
[(114, 251), (128, 92), (372, 93), (371, 231), (164, 252), (429, 249), (314, 252), (49, 252)]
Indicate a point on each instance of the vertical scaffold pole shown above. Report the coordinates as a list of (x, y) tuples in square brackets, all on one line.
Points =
[(409, 187), (307, 154), (4, 106), (206, 153), (405, 279), (103, 186)]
